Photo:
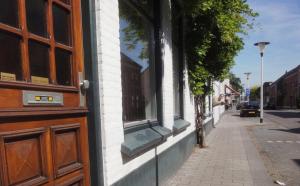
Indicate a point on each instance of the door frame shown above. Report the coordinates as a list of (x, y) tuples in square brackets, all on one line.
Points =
[(93, 100)]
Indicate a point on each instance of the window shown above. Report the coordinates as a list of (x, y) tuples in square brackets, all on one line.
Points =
[(137, 61), (36, 42), (177, 50)]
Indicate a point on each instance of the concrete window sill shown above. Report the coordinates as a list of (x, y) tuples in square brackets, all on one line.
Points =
[(179, 126), (139, 141)]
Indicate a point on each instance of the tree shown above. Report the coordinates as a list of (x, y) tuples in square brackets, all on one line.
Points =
[(214, 30), (255, 93), (235, 82)]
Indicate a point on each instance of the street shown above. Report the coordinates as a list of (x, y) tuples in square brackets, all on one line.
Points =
[(278, 141), (241, 151)]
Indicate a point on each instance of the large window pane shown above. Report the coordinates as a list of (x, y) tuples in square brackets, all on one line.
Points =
[(63, 67), (146, 5), (137, 65), (61, 19), (9, 12), (36, 16), (176, 83), (10, 57), (39, 62)]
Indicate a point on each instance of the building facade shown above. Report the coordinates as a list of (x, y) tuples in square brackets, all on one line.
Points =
[(93, 92), (285, 91)]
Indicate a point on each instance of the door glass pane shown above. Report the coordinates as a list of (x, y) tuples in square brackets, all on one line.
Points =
[(137, 65), (9, 12), (10, 57), (39, 62), (61, 18), (36, 16), (63, 67)]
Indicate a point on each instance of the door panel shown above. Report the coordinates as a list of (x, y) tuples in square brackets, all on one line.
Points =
[(36, 152), (66, 149), (24, 157)]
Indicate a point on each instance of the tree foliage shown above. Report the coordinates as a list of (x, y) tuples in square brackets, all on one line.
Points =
[(214, 30), (235, 82), (255, 93)]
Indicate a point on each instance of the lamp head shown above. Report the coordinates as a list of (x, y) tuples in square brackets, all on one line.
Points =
[(261, 46)]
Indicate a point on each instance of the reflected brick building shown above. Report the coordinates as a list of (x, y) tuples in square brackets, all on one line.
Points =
[(133, 99)]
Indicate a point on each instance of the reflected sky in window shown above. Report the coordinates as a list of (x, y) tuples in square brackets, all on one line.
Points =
[(135, 48)]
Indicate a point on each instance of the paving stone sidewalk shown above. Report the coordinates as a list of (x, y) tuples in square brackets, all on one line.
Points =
[(230, 159)]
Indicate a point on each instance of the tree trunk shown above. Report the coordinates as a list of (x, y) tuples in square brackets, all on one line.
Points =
[(199, 118)]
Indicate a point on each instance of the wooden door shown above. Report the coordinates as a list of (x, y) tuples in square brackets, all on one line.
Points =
[(43, 126)]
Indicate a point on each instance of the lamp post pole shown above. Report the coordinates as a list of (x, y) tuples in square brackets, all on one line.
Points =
[(248, 85), (261, 88), (261, 46)]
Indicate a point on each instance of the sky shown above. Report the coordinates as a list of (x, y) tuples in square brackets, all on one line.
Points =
[(279, 24)]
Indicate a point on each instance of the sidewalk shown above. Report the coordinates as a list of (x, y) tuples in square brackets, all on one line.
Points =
[(230, 159)]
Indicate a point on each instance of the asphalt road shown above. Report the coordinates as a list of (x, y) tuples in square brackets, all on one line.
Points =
[(278, 141)]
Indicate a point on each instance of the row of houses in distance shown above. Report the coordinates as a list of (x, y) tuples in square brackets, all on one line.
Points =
[(285, 91)]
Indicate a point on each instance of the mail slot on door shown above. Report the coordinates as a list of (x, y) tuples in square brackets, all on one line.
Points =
[(42, 98)]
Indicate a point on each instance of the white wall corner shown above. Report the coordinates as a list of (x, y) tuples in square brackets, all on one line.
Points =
[(167, 79)]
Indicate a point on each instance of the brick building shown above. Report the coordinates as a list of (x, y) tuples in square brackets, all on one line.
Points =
[(285, 91)]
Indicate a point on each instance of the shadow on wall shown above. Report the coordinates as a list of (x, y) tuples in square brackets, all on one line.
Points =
[(286, 114)]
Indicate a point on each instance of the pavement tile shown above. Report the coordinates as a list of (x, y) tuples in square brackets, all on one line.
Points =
[(226, 161)]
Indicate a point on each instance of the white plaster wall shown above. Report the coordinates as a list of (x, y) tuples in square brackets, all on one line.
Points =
[(219, 89), (167, 80), (108, 50)]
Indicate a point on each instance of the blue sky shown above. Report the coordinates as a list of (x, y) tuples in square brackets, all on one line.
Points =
[(278, 23)]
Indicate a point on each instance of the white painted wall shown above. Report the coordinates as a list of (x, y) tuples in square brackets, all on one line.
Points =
[(108, 49), (219, 89)]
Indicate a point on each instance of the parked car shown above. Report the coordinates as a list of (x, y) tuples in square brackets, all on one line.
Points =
[(250, 109), (239, 105)]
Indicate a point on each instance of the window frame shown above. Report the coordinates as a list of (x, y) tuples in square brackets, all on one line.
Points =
[(155, 21), (180, 55), (48, 40)]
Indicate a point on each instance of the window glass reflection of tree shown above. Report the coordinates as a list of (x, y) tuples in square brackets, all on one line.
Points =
[(137, 65)]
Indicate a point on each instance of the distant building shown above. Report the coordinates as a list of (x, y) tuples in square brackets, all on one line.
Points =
[(267, 92), (285, 91)]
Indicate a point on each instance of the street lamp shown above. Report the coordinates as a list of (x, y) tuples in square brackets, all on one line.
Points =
[(261, 46)]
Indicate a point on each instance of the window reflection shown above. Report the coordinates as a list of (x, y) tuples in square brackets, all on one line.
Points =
[(137, 65), (146, 5)]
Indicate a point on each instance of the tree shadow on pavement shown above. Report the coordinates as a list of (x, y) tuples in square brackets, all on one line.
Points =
[(294, 130), (297, 161), (285, 114)]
